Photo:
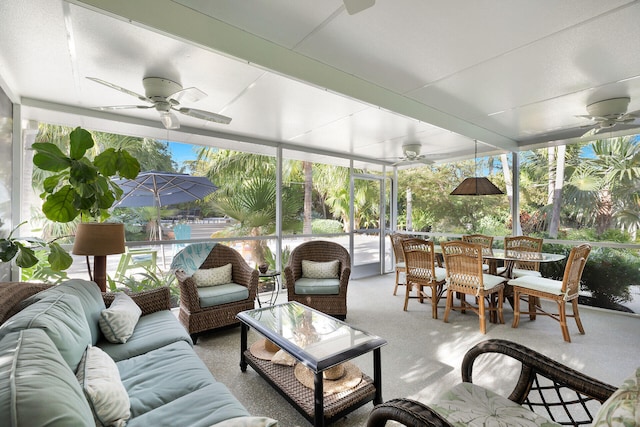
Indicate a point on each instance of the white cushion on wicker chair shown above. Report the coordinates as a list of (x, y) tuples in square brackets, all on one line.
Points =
[(471, 405), (490, 281), (541, 284), (320, 270), (519, 272), (216, 276)]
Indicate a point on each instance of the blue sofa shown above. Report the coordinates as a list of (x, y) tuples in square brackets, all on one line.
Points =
[(43, 344)]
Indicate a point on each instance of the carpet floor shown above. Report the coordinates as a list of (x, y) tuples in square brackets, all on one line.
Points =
[(423, 355)]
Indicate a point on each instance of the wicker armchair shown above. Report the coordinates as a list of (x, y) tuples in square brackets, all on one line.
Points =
[(320, 251), (197, 319), (546, 387)]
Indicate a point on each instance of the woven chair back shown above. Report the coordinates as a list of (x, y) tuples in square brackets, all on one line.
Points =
[(463, 261), (524, 244), (573, 270), (396, 244), (419, 258), (479, 239)]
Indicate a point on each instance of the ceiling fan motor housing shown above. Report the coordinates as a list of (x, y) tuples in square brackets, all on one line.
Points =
[(609, 108), (159, 89), (411, 150)]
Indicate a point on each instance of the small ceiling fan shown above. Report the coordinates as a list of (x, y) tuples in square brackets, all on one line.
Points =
[(609, 113), (411, 154), (165, 96)]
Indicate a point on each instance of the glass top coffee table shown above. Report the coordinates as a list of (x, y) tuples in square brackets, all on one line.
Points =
[(318, 342)]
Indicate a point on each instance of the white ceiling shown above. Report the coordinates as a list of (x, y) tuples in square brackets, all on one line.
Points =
[(512, 74)]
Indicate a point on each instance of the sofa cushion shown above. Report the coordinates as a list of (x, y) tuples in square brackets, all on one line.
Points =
[(213, 276), (153, 331), (201, 408), (119, 320), (63, 320), (467, 404), (163, 375), (99, 378), (36, 383), (306, 286), (622, 408), (222, 294), (90, 298), (320, 270)]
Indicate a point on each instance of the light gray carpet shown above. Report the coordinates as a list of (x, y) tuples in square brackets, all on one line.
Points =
[(423, 355)]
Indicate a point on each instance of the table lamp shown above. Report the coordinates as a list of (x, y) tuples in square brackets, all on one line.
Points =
[(99, 240)]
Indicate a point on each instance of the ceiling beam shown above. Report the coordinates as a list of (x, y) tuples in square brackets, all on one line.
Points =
[(177, 21)]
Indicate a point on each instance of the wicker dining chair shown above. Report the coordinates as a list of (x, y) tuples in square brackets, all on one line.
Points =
[(522, 244), (463, 262), (396, 244), (196, 318), (309, 291), (421, 271), (560, 291), (485, 241)]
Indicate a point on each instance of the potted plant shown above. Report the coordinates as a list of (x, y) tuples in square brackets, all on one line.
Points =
[(81, 187), (22, 249)]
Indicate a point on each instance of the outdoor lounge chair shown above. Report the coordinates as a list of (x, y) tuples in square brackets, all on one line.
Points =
[(545, 391), (324, 289)]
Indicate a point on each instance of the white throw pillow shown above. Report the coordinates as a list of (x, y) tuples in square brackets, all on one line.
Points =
[(320, 270), (119, 320), (247, 422), (100, 380), (206, 277)]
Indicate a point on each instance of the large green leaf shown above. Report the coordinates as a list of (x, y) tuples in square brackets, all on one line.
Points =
[(60, 206), (26, 257), (49, 157), (82, 171), (80, 140), (128, 166), (106, 162), (59, 259), (8, 250)]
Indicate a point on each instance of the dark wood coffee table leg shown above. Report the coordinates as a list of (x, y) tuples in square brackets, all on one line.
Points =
[(243, 346), (377, 376), (318, 397)]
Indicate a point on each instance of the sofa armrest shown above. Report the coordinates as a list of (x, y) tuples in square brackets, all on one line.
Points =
[(149, 301), (407, 412), (535, 364)]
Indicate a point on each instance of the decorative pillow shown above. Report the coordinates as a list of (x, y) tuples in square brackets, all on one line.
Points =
[(248, 422), (213, 276), (320, 270), (119, 320), (283, 358), (99, 377), (622, 408)]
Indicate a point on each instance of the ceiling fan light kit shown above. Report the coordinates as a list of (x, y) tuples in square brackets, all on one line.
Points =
[(476, 186)]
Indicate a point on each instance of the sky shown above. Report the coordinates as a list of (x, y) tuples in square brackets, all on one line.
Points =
[(181, 152)]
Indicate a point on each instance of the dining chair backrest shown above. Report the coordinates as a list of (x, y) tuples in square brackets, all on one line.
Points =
[(480, 239), (420, 259), (573, 270), (463, 261), (524, 244), (396, 244)]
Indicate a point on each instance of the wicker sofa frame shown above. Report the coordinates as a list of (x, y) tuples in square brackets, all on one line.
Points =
[(197, 319), (320, 251), (549, 388)]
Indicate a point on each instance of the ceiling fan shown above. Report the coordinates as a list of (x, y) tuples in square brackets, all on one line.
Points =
[(609, 113), (411, 154), (165, 96)]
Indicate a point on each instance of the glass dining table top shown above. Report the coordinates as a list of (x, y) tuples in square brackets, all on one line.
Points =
[(513, 255), (318, 340)]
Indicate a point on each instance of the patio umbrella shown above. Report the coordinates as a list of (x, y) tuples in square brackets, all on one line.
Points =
[(161, 189)]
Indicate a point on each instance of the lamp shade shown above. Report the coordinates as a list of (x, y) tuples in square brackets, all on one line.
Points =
[(99, 239), (476, 186)]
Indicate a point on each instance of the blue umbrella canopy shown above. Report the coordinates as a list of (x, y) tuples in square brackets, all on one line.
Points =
[(160, 189)]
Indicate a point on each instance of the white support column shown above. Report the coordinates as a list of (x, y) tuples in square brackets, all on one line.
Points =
[(516, 228)]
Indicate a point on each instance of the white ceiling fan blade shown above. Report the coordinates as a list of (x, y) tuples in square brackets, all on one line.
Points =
[(355, 6), (121, 89), (123, 107), (169, 120), (190, 94), (205, 115), (591, 132)]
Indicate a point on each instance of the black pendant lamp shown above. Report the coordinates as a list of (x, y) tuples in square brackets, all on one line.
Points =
[(476, 186)]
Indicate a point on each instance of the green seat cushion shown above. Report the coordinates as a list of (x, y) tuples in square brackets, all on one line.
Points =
[(306, 286), (62, 318), (200, 408), (90, 298), (622, 408), (152, 331), (222, 294), (37, 388), (162, 376), (467, 404)]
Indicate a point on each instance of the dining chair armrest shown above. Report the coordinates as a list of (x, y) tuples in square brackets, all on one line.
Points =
[(407, 412)]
